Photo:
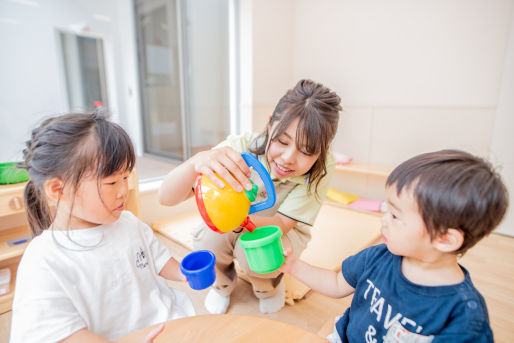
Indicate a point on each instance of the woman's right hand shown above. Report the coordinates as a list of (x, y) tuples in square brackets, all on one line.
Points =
[(227, 163), (224, 161)]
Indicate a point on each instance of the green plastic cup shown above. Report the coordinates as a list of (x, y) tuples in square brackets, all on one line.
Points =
[(263, 249)]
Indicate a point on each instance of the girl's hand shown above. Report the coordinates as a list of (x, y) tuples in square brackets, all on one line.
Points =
[(289, 262), (153, 334), (227, 163)]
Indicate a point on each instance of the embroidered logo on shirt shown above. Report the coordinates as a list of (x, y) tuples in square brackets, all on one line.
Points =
[(398, 334), (141, 261)]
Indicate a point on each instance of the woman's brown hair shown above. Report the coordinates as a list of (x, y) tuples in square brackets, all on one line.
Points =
[(317, 109)]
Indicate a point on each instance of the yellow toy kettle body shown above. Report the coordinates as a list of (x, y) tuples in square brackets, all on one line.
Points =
[(224, 209)]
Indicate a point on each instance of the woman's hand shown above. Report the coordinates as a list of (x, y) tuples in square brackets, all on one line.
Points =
[(227, 163)]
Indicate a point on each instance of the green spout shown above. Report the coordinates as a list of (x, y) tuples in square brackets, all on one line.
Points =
[(252, 194)]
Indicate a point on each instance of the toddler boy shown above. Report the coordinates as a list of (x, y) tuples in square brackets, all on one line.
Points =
[(412, 288)]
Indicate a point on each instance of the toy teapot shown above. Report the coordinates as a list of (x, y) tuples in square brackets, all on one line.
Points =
[(224, 209)]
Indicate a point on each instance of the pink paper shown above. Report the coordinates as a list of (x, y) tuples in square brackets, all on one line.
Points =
[(342, 158), (366, 205)]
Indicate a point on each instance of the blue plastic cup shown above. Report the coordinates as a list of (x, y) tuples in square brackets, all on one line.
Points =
[(198, 267)]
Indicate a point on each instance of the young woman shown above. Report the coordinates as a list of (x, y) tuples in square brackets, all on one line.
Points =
[(294, 148)]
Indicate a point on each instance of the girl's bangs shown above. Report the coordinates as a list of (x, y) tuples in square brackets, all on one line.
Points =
[(117, 152)]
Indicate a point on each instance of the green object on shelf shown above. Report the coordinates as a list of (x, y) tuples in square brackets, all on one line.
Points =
[(10, 174)]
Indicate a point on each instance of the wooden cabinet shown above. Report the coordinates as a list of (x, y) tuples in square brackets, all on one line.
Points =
[(365, 169), (364, 180), (11, 204)]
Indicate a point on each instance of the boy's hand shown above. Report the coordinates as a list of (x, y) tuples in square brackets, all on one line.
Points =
[(325, 281), (227, 163), (289, 262), (153, 334)]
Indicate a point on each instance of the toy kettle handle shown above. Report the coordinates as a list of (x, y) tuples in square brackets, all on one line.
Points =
[(252, 161)]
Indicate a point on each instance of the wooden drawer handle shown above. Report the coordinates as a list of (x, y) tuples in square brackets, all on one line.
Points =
[(16, 203)]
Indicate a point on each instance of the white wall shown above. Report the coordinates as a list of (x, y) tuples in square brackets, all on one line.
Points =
[(502, 147), (245, 55), (433, 66), (208, 84), (32, 83), (272, 55), (414, 76)]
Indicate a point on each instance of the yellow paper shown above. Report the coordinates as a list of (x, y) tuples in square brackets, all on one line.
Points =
[(341, 197)]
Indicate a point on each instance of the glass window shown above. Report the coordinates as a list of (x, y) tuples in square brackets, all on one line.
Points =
[(84, 69), (184, 71)]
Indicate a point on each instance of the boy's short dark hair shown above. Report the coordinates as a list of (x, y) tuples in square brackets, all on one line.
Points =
[(454, 189)]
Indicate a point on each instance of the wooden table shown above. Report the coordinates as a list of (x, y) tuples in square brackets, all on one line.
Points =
[(226, 328)]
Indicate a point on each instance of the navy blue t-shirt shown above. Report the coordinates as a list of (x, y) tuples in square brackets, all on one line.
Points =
[(387, 306)]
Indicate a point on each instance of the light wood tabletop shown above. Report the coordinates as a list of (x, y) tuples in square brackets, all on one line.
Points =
[(226, 328)]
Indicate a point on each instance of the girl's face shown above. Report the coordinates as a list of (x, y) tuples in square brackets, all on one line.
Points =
[(285, 158), (101, 201), (403, 228)]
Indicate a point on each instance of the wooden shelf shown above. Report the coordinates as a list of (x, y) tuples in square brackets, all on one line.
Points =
[(336, 204), (10, 251), (365, 169), (12, 189), (11, 199), (6, 299)]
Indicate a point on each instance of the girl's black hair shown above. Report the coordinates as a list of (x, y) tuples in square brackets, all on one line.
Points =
[(317, 109), (69, 147)]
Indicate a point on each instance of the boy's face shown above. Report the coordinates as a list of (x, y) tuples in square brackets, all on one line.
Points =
[(284, 157), (403, 228)]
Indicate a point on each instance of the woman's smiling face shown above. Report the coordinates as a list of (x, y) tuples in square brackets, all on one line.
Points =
[(285, 158)]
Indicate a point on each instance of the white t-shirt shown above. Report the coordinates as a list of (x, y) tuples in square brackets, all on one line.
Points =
[(104, 279)]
